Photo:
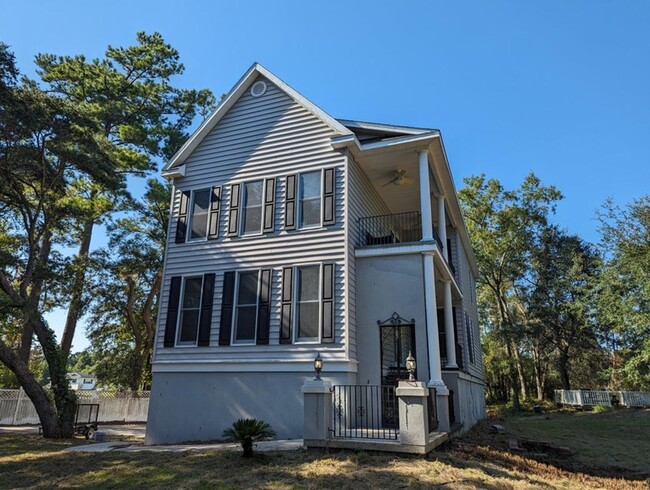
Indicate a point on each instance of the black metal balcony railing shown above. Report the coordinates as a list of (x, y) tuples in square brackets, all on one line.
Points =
[(365, 412), (390, 228), (393, 228)]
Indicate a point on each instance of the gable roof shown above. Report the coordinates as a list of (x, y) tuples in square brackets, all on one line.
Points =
[(233, 96)]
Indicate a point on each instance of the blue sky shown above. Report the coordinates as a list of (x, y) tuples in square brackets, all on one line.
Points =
[(555, 87)]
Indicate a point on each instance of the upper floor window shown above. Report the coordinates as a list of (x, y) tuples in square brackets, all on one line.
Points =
[(188, 322), (310, 200), (199, 214), (252, 207)]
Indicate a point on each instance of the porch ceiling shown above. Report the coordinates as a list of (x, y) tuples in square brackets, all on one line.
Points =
[(380, 167)]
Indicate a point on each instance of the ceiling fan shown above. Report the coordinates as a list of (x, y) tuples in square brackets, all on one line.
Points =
[(399, 178)]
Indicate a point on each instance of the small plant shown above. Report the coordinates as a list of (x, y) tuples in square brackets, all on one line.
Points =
[(247, 431), (602, 408)]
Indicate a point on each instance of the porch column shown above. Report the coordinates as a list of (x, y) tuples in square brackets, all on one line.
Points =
[(435, 369), (449, 327), (442, 226), (425, 196)]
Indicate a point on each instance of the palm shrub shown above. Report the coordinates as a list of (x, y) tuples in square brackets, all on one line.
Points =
[(247, 431)]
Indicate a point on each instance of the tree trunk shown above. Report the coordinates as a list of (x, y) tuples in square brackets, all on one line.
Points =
[(76, 302), (563, 368), (520, 372), (539, 371), (247, 445), (25, 349)]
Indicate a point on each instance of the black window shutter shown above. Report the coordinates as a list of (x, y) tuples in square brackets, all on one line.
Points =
[(329, 203), (172, 311), (205, 320), (269, 205), (227, 297), (181, 224), (290, 203), (264, 308), (285, 326), (215, 208), (233, 213), (327, 327)]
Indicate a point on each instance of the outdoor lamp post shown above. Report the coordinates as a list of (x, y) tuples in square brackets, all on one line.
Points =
[(318, 366), (410, 366)]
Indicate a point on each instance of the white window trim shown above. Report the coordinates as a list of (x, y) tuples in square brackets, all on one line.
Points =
[(294, 300), (233, 327), (191, 215), (318, 225), (242, 209), (180, 313)]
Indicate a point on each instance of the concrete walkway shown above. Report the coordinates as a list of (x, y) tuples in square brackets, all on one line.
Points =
[(135, 431), (101, 447)]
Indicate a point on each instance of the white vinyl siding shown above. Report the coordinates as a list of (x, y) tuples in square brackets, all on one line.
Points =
[(260, 137)]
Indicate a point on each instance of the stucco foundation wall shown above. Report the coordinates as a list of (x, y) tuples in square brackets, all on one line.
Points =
[(387, 285), (199, 406), (469, 397)]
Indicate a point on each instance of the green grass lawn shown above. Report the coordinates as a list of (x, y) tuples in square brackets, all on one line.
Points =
[(477, 460), (618, 438)]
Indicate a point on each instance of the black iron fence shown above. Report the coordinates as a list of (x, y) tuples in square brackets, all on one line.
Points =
[(365, 412)]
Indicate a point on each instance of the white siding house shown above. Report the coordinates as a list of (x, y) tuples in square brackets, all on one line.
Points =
[(288, 238)]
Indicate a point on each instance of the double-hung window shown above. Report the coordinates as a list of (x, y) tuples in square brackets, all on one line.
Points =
[(246, 305), (309, 210), (307, 301), (188, 322), (199, 215), (252, 207)]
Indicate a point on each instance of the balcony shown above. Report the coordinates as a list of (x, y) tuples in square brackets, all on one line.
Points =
[(390, 229)]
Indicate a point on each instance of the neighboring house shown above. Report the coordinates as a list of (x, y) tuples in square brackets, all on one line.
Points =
[(82, 381), (291, 234)]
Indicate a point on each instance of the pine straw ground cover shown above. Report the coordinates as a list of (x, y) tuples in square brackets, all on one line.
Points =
[(478, 460)]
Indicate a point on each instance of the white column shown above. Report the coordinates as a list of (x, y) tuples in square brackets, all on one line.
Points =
[(425, 196), (435, 370), (449, 327), (442, 225)]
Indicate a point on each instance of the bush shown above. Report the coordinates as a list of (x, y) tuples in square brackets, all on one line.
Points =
[(247, 431), (602, 408)]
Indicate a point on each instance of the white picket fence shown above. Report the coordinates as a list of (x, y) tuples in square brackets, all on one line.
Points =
[(114, 406), (591, 398)]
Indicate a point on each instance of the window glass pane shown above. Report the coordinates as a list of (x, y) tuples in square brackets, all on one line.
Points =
[(245, 328), (247, 288), (189, 324), (199, 217), (253, 206), (310, 185), (308, 320), (192, 296), (308, 283), (310, 202), (310, 212)]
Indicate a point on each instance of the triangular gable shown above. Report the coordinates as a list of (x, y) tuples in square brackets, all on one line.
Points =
[(233, 96)]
